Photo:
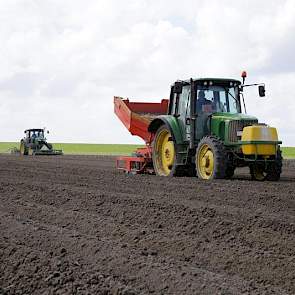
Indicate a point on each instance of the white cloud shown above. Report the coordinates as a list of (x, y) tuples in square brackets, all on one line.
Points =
[(63, 61)]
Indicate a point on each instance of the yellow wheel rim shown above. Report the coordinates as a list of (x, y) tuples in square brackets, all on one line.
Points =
[(205, 161), (165, 153)]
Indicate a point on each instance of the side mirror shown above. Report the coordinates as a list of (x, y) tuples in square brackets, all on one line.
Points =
[(261, 90), (47, 131), (177, 87)]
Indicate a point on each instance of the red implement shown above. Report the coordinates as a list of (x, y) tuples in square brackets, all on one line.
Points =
[(136, 116)]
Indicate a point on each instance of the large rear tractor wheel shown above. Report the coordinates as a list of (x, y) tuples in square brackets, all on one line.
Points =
[(164, 154), (211, 158), (23, 149)]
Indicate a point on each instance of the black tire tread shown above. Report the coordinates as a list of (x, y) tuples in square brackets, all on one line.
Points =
[(275, 169)]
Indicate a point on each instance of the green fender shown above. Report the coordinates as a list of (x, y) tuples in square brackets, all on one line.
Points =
[(171, 122)]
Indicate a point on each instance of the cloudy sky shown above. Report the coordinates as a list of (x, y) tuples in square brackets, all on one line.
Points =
[(61, 62)]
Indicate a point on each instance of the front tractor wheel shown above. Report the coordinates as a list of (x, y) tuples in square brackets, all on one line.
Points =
[(274, 170), (211, 159), (271, 171), (258, 172), (164, 155)]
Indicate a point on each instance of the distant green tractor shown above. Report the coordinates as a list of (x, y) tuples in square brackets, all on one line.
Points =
[(35, 143)]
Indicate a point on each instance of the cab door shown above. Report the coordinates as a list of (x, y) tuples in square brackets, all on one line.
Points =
[(204, 114), (181, 110)]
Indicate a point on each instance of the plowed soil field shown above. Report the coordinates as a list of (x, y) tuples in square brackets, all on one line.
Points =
[(75, 225)]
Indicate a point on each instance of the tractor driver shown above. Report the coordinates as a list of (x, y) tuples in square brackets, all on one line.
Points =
[(33, 137), (203, 104)]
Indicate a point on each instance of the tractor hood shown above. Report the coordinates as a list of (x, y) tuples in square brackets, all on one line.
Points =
[(227, 126), (230, 116)]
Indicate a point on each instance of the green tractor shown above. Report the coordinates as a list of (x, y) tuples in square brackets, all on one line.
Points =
[(205, 132), (35, 143)]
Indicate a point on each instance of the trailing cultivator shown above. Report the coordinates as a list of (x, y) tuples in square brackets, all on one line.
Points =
[(35, 143)]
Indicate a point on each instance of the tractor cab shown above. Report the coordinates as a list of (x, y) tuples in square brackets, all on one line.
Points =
[(209, 95), (205, 96), (223, 98), (34, 134)]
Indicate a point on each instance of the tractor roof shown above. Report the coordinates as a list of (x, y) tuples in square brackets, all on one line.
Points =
[(35, 129), (218, 80)]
